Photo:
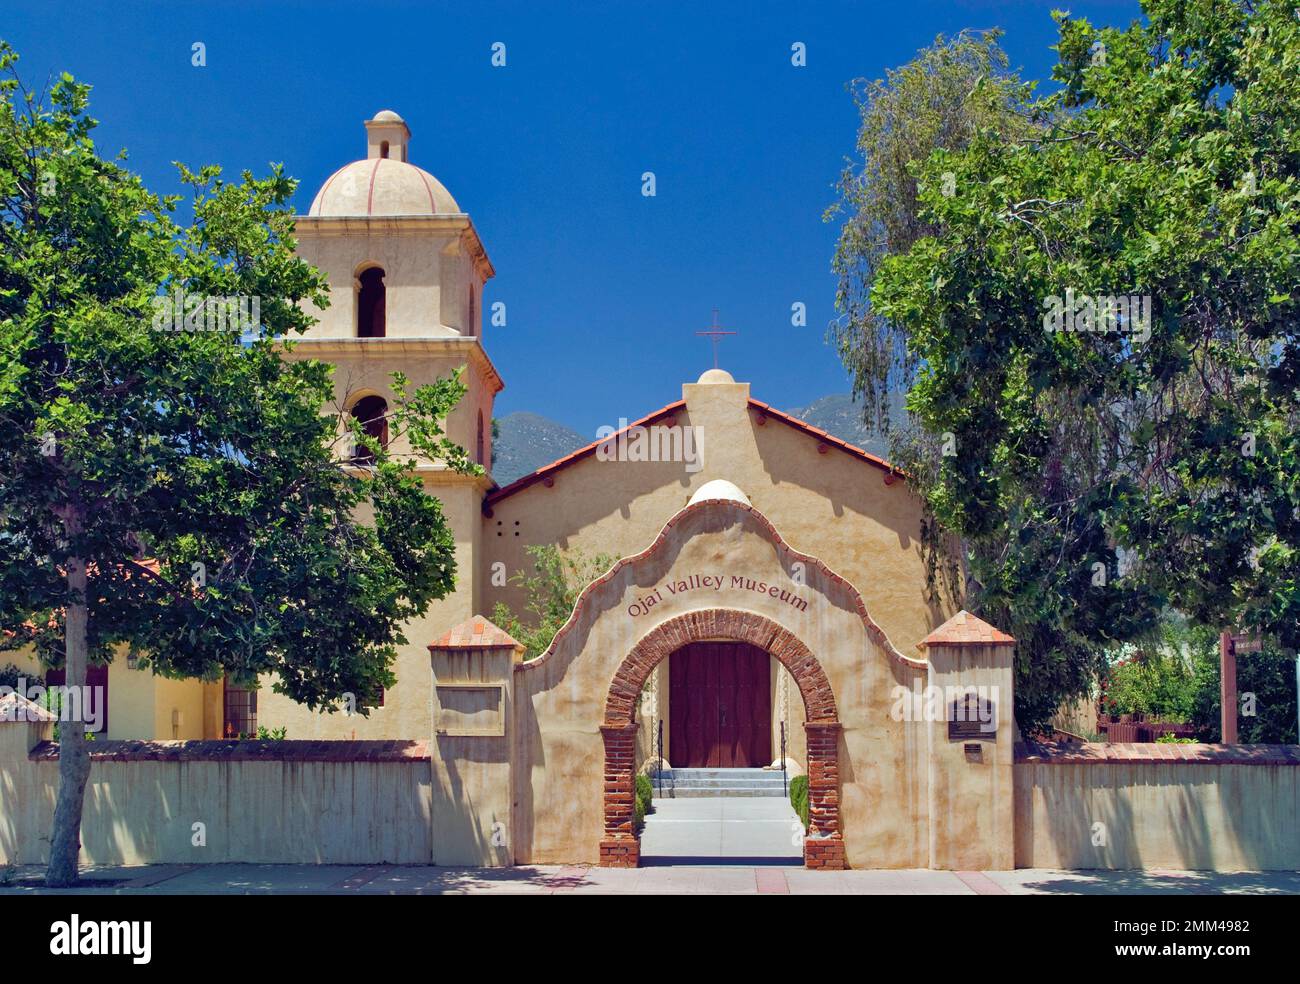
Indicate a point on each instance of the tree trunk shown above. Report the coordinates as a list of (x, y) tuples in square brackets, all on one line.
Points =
[(74, 757)]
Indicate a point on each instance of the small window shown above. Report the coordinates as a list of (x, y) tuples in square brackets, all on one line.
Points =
[(370, 304), (473, 311), (372, 411), (383, 149), (478, 456), (239, 718)]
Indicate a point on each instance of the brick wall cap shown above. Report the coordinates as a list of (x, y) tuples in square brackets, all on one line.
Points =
[(1153, 753), (232, 750)]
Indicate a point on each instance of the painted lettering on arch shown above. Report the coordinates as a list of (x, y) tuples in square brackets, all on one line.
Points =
[(693, 584)]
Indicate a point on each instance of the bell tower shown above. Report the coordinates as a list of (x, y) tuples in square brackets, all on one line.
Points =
[(406, 270)]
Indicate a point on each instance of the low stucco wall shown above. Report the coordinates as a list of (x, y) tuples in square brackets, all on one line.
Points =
[(1209, 807), (294, 802)]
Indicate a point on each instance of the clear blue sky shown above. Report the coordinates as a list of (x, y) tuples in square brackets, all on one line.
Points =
[(604, 288)]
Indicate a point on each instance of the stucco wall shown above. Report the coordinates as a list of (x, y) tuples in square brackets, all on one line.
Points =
[(428, 266), (560, 698), (141, 704), (1213, 807), (295, 806), (832, 505), (407, 705)]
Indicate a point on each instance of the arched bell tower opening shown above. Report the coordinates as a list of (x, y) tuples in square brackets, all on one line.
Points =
[(371, 303), (372, 412), (620, 845)]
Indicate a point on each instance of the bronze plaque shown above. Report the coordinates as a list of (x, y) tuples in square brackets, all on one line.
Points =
[(972, 716)]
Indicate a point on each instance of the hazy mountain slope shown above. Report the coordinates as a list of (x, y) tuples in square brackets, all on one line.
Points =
[(837, 414), (526, 441)]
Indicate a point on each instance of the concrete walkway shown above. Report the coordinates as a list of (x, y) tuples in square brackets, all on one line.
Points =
[(761, 829), (259, 879)]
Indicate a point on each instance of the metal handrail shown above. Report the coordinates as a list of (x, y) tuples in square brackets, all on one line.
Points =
[(784, 791), (659, 765)]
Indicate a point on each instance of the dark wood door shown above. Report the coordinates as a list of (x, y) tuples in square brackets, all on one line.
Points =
[(719, 706)]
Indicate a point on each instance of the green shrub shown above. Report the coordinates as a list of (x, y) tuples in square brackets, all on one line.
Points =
[(799, 798), (645, 792), (551, 593), (1155, 682)]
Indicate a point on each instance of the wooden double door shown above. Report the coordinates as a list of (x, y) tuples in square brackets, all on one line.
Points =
[(719, 706)]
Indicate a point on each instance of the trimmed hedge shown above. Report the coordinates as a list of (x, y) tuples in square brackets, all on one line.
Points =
[(645, 792), (799, 798)]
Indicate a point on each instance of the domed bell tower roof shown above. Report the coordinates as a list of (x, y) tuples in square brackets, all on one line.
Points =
[(384, 182)]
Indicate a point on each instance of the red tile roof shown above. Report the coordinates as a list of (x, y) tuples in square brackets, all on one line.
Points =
[(824, 436), (965, 629), (519, 484), (477, 633), (763, 409), (230, 750)]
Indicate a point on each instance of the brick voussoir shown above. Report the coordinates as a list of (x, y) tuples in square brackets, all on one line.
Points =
[(822, 726)]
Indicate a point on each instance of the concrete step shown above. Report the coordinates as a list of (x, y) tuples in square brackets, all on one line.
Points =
[(736, 775), (691, 792), (691, 783)]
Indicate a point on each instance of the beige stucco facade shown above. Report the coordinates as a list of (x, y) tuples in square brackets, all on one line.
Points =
[(830, 501), (725, 521)]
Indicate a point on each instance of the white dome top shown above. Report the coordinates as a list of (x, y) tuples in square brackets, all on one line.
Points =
[(718, 488), (715, 376), (384, 182), (382, 186)]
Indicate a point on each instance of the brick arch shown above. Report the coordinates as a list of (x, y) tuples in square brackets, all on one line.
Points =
[(620, 846)]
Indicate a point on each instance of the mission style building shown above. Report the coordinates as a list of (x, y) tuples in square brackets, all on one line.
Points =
[(771, 589), (767, 606)]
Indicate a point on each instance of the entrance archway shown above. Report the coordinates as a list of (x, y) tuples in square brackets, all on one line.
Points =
[(824, 845)]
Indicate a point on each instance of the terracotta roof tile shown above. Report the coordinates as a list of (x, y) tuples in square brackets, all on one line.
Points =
[(824, 436), (230, 750), (477, 633), (965, 629)]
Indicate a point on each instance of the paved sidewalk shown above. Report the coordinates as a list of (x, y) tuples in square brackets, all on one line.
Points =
[(698, 829), (743, 879)]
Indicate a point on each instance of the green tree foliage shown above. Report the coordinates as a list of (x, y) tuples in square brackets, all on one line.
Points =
[(1174, 676), (551, 591), (1158, 683), (942, 99), (179, 493), (1100, 474), (1266, 688)]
